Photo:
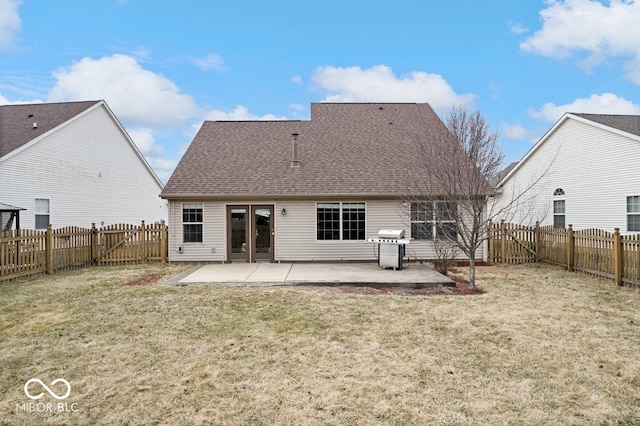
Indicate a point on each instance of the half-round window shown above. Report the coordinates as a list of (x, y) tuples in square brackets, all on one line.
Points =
[(558, 191)]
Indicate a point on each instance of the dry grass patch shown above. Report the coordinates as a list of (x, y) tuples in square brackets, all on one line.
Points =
[(542, 346)]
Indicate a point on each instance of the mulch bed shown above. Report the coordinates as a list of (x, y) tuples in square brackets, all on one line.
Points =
[(461, 288)]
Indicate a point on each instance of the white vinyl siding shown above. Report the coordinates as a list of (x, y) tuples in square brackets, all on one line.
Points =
[(597, 169), (88, 171), (295, 233), (213, 247)]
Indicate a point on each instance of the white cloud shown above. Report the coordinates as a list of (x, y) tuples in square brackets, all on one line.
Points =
[(514, 131), (10, 22), (606, 103), (240, 113), (145, 141), (380, 84), (517, 28), (210, 62), (137, 96), (296, 79), (590, 26)]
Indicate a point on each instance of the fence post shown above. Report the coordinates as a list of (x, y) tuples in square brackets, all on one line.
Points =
[(142, 243), (618, 264), (164, 237), (48, 249), (536, 241), (503, 240), (490, 242), (94, 244), (570, 249)]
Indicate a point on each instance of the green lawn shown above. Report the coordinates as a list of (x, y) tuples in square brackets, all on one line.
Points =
[(541, 346)]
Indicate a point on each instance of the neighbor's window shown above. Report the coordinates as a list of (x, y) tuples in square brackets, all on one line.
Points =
[(633, 213), (340, 221), (192, 222), (434, 220), (42, 213), (558, 214)]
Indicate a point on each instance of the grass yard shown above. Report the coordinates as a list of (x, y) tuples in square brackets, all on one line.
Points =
[(540, 347)]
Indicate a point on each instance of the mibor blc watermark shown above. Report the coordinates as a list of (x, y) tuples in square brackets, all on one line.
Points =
[(35, 389)]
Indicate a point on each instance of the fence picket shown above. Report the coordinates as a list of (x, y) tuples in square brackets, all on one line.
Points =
[(27, 252), (592, 251)]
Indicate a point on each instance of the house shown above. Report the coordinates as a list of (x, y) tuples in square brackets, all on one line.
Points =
[(73, 164), (585, 171), (312, 190)]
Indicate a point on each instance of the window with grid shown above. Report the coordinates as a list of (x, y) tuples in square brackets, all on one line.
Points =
[(192, 222), (340, 221), (434, 220), (558, 213), (633, 213), (353, 221), (43, 213)]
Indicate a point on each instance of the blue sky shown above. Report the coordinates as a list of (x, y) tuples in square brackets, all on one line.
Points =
[(165, 66)]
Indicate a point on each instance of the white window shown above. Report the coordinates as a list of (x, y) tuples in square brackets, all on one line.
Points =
[(559, 209), (42, 213), (633, 213), (340, 221), (434, 220), (192, 222), (558, 214)]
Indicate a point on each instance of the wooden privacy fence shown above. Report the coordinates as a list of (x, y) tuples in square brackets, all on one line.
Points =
[(593, 251), (26, 252)]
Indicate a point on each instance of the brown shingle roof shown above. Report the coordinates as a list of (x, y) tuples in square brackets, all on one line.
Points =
[(345, 149), (626, 123), (16, 121)]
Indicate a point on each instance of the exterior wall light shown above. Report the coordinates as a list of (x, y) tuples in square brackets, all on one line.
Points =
[(284, 211)]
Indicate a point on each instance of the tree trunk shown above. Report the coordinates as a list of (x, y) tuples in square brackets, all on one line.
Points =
[(472, 273)]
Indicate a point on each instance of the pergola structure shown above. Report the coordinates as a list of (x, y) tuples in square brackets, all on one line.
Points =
[(8, 214)]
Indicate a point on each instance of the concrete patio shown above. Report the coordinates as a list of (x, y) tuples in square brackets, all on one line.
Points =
[(353, 274)]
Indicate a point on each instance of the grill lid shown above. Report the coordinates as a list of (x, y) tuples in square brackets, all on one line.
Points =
[(391, 233)]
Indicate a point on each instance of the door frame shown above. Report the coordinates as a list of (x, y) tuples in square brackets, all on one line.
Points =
[(260, 256), (250, 254), (247, 253)]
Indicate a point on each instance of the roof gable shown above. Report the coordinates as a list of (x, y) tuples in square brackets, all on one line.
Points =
[(346, 149), (628, 125), (20, 124)]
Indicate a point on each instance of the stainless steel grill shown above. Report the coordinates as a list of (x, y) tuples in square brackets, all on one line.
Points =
[(391, 247)]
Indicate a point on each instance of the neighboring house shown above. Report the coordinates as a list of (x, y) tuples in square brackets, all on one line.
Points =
[(311, 190), (586, 171), (73, 164)]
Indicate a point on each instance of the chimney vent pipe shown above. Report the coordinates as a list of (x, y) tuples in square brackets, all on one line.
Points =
[(295, 162)]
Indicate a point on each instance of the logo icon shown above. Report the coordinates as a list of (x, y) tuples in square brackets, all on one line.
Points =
[(47, 388)]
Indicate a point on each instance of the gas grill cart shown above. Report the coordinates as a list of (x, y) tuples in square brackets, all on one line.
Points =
[(391, 247)]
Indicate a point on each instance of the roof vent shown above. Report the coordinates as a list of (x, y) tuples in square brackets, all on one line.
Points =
[(295, 162), (35, 125)]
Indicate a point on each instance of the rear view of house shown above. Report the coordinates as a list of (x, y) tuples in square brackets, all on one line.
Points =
[(73, 164), (311, 190)]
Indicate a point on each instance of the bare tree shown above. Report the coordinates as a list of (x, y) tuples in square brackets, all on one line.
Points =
[(450, 199)]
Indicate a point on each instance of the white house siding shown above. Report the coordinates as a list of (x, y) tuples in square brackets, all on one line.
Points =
[(597, 169), (295, 233), (88, 171), (213, 247)]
